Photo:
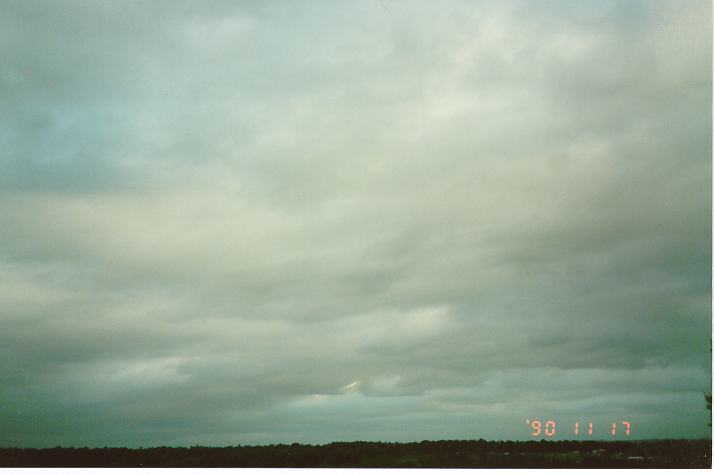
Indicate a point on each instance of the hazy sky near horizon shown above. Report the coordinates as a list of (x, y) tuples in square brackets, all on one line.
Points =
[(249, 222)]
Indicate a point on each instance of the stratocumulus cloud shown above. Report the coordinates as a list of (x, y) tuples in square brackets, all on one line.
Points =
[(249, 222)]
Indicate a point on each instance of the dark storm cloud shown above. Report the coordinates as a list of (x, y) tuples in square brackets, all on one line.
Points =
[(249, 222)]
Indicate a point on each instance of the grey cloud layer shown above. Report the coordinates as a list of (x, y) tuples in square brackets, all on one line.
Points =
[(250, 222)]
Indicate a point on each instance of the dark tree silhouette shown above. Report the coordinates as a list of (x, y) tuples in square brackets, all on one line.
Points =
[(708, 396)]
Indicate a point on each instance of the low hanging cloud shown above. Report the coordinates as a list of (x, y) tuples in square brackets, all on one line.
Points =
[(235, 223)]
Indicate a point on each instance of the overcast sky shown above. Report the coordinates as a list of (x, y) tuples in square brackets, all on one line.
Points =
[(251, 222)]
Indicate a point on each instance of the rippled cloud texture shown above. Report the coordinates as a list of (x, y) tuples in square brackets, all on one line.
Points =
[(249, 222)]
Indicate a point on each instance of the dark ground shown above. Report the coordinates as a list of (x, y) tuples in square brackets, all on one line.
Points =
[(426, 454)]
